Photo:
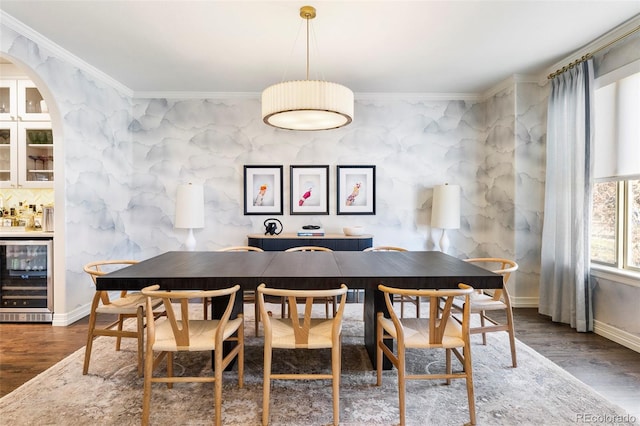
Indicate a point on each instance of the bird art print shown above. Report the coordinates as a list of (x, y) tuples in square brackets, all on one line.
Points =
[(259, 200)]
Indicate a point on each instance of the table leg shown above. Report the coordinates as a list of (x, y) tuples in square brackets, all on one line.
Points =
[(374, 303)]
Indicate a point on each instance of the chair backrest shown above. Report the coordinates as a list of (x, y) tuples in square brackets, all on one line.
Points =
[(301, 330), (240, 248), (308, 248), (385, 248), (102, 267), (497, 265), (439, 312), (180, 320)]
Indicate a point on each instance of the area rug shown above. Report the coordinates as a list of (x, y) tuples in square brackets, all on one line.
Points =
[(538, 392)]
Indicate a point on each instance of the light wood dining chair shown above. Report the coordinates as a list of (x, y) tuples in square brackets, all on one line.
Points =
[(326, 301), (181, 333), (439, 331), (248, 296), (399, 299), (302, 332), (128, 305), (485, 301)]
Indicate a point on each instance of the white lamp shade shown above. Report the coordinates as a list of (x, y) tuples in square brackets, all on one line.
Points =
[(445, 211), (307, 105), (190, 206)]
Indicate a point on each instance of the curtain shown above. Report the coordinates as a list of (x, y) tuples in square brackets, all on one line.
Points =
[(565, 288)]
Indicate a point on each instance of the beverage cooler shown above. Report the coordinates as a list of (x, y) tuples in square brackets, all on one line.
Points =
[(26, 280)]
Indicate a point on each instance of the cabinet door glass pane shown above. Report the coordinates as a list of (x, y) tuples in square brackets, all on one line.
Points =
[(5, 154), (39, 155), (5, 100), (32, 100)]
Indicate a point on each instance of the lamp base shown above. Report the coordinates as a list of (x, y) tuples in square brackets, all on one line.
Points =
[(190, 242), (444, 241)]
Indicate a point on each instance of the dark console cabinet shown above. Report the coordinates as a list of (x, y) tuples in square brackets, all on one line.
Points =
[(336, 242)]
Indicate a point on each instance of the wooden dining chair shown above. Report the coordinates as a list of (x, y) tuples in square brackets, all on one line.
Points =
[(439, 331), (399, 299), (485, 301), (302, 332), (128, 305), (181, 333), (248, 296), (326, 301)]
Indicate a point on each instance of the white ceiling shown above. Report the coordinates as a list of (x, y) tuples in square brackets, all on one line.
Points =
[(369, 46)]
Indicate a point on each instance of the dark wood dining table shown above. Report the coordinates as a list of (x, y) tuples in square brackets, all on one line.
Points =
[(196, 270)]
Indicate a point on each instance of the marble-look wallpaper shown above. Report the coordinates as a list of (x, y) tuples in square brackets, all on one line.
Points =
[(125, 156)]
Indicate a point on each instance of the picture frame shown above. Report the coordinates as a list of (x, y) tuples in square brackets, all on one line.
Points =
[(309, 190), (263, 190), (356, 190)]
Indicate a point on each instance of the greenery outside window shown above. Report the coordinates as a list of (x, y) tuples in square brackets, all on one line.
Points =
[(615, 224)]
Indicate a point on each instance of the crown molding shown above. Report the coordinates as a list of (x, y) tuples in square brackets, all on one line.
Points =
[(593, 46), (196, 95), (44, 43), (393, 96)]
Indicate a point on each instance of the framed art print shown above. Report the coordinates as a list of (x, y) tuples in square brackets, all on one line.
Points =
[(356, 190), (263, 190), (309, 189)]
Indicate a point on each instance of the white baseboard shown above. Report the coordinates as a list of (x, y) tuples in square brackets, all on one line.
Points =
[(524, 302), (622, 337), (68, 318)]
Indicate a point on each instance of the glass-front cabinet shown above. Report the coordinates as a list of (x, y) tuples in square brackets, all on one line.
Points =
[(26, 155), (8, 153), (8, 103), (21, 100), (26, 138), (30, 103)]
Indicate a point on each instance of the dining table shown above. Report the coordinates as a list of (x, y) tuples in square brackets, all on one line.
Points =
[(207, 270)]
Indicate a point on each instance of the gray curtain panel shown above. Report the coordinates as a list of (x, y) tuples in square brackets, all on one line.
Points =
[(565, 289)]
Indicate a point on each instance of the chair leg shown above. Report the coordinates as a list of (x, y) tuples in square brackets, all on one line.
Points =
[(482, 323), (448, 363), (468, 369), (335, 372), (169, 368), (140, 320), (205, 308), (217, 384), (379, 354), (146, 396), (512, 338), (401, 384), (90, 335), (266, 385), (240, 359), (120, 325)]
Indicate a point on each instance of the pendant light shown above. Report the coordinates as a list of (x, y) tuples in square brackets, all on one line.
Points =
[(307, 104)]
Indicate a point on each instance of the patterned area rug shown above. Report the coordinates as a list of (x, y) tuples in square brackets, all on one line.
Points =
[(536, 393)]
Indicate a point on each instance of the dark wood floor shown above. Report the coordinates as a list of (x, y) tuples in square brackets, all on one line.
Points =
[(611, 369)]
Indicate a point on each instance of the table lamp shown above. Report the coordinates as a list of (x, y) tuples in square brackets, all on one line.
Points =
[(445, 211), (190, 211)]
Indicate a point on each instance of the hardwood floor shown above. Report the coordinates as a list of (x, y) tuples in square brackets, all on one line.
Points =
[(610, 369)]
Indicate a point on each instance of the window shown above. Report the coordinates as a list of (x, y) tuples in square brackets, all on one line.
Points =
[(615, 215), (615, 224)]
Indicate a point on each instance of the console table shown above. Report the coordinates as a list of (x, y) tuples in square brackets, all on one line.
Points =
[(335, 242)]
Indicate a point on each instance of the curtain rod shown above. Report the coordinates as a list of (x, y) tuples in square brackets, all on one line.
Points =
[(590, 55)]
